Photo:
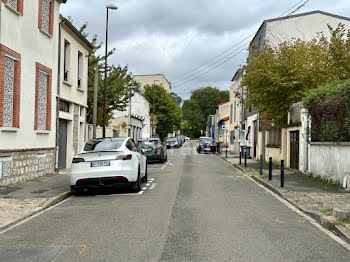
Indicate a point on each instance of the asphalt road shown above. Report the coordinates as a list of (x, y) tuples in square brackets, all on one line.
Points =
[(195, 208)]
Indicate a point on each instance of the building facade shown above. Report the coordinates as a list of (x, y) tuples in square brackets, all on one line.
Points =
[(158, 79), (135, 124), (258, 137), (28, 84), (221, 122), (72, 93), (289, 143)]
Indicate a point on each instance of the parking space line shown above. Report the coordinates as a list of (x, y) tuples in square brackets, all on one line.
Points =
[(165, 165)]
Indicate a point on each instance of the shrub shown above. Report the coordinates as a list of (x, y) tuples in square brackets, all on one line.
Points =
[(329, 107)]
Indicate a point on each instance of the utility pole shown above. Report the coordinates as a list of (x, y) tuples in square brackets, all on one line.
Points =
[(113, 7), (129, 116), (153, 113), (94, 115)]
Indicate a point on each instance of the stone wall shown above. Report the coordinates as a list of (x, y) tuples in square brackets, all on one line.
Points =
[(330, 160), (20, 165)]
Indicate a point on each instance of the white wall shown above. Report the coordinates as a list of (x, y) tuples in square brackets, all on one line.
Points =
[(157, 79), (303, 27), (139, 107), (330, 160), (69, 90), (21, 34)]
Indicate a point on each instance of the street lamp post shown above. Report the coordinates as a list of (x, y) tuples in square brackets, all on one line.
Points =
[(113, 7), (153, 98)]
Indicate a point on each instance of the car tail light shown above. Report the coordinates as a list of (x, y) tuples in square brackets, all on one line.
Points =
[(78, 160), (118, 177), (159, 148), (124, 157)]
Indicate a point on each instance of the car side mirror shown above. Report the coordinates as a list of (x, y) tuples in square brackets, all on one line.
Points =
[(142, 151)]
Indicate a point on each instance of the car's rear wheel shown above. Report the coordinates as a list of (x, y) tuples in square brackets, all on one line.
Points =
[(145, 178), (137, 185), (76, 191), (161, 159)]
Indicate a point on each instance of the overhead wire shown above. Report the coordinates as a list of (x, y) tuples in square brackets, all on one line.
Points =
[(227, 50), (238, 50)]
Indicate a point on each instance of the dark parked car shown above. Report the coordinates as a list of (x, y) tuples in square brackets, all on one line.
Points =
[(172, 142), (153, 149), (206, 144)]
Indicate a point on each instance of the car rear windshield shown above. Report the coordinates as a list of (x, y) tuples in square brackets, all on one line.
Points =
[(147, 143), (103, 145), (206, 140), (173, 139)]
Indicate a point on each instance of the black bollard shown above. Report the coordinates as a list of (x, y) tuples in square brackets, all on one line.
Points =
[(282, 173), (270, 168), (261, 165), (245, 158), (240, 158)]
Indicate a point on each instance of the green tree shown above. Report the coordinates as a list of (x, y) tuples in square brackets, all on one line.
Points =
[(277, 77), (120, 85), (202, 103), (166, 109)]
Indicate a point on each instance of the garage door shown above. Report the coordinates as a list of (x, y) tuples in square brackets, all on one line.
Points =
[(62, 143)]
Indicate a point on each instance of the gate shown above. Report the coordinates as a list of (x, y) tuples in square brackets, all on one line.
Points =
[(294, 149), (62, 143)]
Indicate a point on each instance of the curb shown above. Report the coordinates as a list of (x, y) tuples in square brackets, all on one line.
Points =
[(322, 220), (51, 202)]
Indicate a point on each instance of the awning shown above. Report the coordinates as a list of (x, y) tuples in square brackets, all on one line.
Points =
[(225, 118)]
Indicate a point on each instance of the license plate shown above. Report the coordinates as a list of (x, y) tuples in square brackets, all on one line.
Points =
[(100, 163)]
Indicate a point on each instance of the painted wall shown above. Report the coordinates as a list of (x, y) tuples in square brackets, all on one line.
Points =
[(330, 160), (303, 27), (70, 92), (21, 34), (157, 79), (140, 109)]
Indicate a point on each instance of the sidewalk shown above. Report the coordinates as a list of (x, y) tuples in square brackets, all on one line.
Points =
[(21, 200), (328, 203)]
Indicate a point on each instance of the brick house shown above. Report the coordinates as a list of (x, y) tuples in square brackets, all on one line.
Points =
[(28, 74)]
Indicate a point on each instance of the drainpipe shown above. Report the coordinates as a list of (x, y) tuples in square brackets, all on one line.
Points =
[(58, 91)]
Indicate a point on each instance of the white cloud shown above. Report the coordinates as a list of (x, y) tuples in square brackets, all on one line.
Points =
[(173, 37)]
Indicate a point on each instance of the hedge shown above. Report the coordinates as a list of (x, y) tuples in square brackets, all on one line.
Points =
[(329, 108)]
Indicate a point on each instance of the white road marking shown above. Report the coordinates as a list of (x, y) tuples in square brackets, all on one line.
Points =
[(152, 179), (144, 188), (300, 213), (168, 163), (147, 184), (153, 186)]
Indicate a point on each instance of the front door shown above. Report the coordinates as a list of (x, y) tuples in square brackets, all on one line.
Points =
[(294, 149), (62, 143)]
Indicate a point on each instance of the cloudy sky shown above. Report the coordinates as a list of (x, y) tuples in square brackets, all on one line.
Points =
[(173, 37)]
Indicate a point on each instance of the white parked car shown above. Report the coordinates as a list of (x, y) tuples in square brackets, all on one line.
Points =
[(108, 162)]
